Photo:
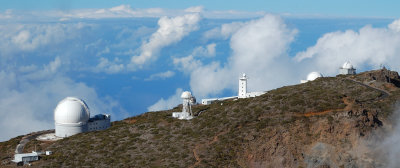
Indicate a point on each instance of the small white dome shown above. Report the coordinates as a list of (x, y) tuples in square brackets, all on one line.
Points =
[(186, 95), (71, 110), (347, 65), (313, 75)]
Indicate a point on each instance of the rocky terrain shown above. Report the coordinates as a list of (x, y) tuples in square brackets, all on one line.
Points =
[(330, 122)]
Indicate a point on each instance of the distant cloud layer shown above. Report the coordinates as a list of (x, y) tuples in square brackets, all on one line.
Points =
[(171, 30), (18, 37), (367, 47), (161, 75), (121, 11), (48, 55), (28, 98), (260, 49), (258, 46), (168, 103)]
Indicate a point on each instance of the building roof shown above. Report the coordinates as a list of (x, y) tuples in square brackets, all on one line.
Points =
[(99, 117), (26, 154), (244, 76), (313, 75), (18, 157), (347, 65), (186, 95), (71, 110)]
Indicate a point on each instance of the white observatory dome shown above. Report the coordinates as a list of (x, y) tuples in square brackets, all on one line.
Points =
[(71, 110), (347, 65), (313, 75), (186, 95)]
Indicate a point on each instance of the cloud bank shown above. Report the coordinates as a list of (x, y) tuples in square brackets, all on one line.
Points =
[(169, 103), (121, 11), (161, 75), (367, 47), (259, 49), (30, 95), (171, 30)]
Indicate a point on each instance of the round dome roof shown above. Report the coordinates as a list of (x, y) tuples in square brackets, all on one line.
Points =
[(186, 95), (313, 75), (71, 110), (347, 65)]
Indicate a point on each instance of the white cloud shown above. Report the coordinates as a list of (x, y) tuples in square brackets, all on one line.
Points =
[(233, 14), (105, 51), (29, 98), (121, 11), (110, 67), (368, 47), (161, 75), (395, 25), (208, 51), (259, 49), (171, 30), (47, 72), (126, 11), (169, 103), (8, 14), (28, 68), (20, 37), (195, 9), (187, 64), (211, 50), (223, 32)]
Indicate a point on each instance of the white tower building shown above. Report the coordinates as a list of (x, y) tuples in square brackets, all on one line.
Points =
[(347, 69), (186, 113), (242, 86), (71, 116)]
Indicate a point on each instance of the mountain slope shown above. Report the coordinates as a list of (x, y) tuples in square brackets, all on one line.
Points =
[(327, 122)]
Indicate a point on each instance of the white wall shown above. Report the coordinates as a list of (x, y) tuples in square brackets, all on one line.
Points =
[(66, 130)]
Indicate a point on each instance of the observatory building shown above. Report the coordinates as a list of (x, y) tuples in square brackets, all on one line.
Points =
[(242, 92), (72, 116), (242, 86), (312, 76), (188, 101), (347, 69)]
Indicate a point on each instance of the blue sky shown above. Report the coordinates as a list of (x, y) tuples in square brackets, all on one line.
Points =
[(343, 8), (125, 58)]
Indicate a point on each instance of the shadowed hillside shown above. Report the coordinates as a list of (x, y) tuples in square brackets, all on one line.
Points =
[(323, 123)]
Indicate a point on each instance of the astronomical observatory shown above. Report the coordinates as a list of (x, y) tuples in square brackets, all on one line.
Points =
[(242, 92), (347, 69), (72, 116), (312, 76), (188, 101)]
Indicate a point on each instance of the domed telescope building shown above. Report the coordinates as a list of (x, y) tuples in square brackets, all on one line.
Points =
[(72, 116), (188, 101), (312, 76), (347, 69)]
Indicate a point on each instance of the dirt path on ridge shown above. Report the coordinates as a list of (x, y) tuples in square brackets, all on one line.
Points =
[(349, 104)]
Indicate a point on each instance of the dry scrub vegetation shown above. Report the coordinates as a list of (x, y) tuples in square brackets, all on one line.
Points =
[(232, 133)]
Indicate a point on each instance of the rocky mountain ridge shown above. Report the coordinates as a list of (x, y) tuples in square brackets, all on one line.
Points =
[(330, 122)]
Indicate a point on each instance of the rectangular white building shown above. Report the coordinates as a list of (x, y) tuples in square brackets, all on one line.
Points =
[(26, 157), (99, 122)]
